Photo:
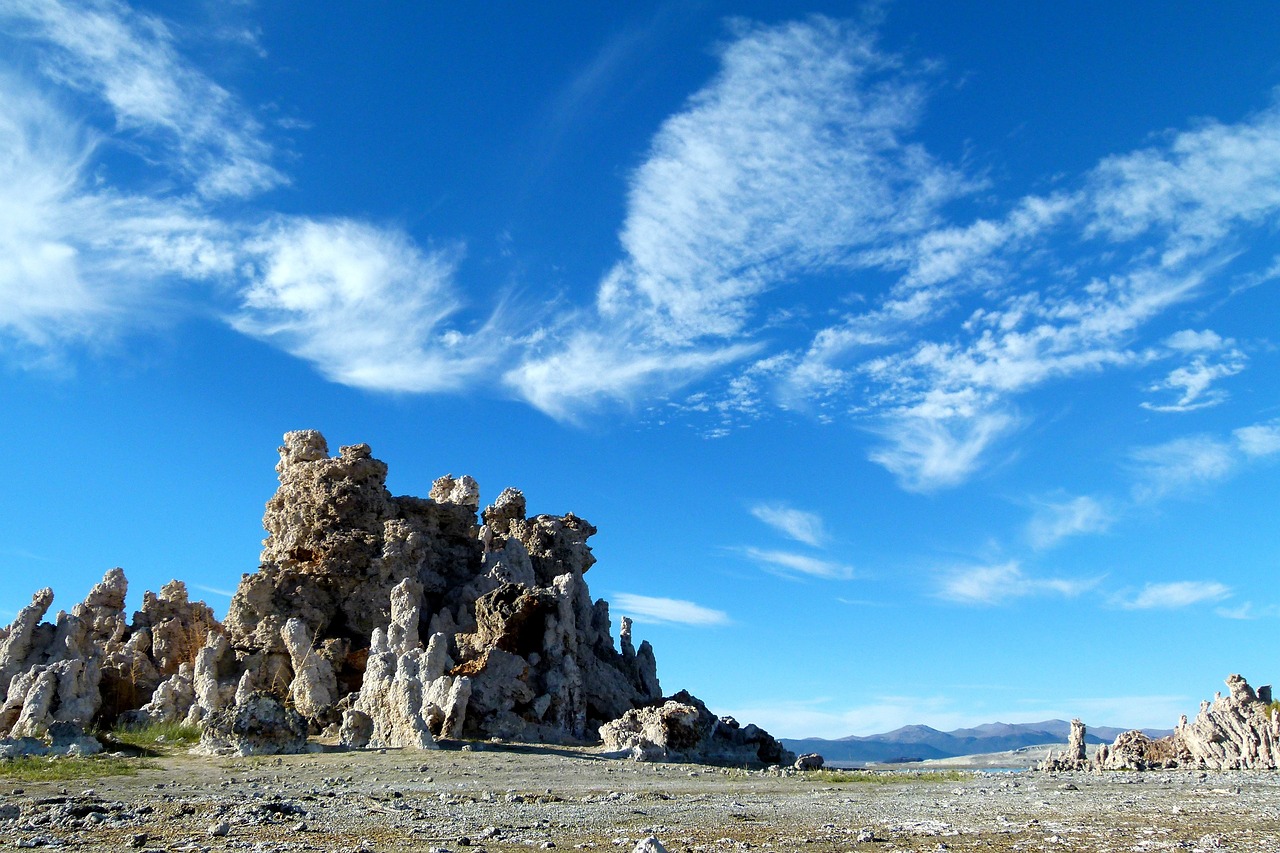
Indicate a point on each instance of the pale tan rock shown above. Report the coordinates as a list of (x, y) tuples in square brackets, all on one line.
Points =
[(17, 646), (406, 691), (464, 492), (1239, 731), (212, 663), (178, 626), (172, 700), (682, 728), (314, 687), (1075, 756)]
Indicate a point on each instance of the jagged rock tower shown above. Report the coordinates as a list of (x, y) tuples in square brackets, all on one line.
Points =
[(507, 593)]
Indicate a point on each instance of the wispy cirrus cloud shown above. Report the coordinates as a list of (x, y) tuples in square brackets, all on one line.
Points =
[(1063, 288), (797, 524), (1174, 595), (1183, 464), (989, 585), (364, 304), (646, 608), (1210, 358), (130, 61), (791, 160), (792, 565), (83, 258), (1054, 521)]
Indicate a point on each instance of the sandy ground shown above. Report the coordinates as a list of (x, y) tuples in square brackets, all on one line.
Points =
[(502, 798)]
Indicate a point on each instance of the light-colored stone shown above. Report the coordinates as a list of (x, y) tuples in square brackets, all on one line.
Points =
[(682, 728), (314, 687)]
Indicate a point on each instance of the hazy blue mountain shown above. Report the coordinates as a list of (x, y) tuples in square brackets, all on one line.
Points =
[(916, 743)]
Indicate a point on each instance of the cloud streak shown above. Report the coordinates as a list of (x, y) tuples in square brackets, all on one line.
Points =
[(791, 565), (1175, 595), (653, 610), (990, 585), (797, 524)]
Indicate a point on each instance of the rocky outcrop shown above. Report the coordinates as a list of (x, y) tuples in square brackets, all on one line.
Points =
[(90, 665), (505, 593), (809, 761), (1075, 756), (406, 699), (682, 729), (260, 724), (330, 627), (1239, 731), (1134, 750)]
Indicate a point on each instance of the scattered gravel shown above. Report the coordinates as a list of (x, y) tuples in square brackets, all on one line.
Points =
[(507, 798)]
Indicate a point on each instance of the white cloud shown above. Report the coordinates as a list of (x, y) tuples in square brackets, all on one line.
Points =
[(1193, 191), (78, 261), (587, 367), (644, 608), (1053, 303), (1174, 595), (1180, 464), (788, 564), (1189, 340), (363, 304), (928, 450), (1054, 522), (791, 161), (1246, 611), (997, 584), (1259, 440), (785, 162), (1194, 379), (1177, 466), (129, 60), (802, 526)]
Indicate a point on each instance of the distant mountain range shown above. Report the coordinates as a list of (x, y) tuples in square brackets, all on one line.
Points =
[(918, 743)]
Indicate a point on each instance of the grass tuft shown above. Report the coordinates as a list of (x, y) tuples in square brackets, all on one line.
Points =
[(886, 777), (34, 768), (157, 737)]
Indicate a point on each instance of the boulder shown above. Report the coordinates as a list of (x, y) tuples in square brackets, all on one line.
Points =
[(258, 725), (681, 728)]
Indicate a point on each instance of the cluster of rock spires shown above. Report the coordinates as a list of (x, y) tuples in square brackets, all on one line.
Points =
[(382, 621), (1239, 731)]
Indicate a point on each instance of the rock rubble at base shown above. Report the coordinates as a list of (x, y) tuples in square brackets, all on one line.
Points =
[(681, 728), (386, 621)]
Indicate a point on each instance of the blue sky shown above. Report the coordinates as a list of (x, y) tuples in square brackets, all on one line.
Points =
[(917, 362)]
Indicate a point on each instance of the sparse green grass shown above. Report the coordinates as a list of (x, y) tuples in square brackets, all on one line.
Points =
[(886, 777), (157, 737), (43, 769)]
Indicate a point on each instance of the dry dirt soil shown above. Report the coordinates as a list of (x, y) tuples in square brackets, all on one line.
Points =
[(503, 798)]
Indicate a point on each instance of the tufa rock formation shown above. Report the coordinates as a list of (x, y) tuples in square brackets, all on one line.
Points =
[(1239, 731), (90, 665), (326, 635), (683, 728), (1075, 756)]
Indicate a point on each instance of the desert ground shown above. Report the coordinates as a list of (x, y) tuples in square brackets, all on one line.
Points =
[(503, 797)]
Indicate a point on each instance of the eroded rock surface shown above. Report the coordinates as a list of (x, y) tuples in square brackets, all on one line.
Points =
[(258, 725), (1075, 756), (681, 728), (331, 629), (1239, 731)]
